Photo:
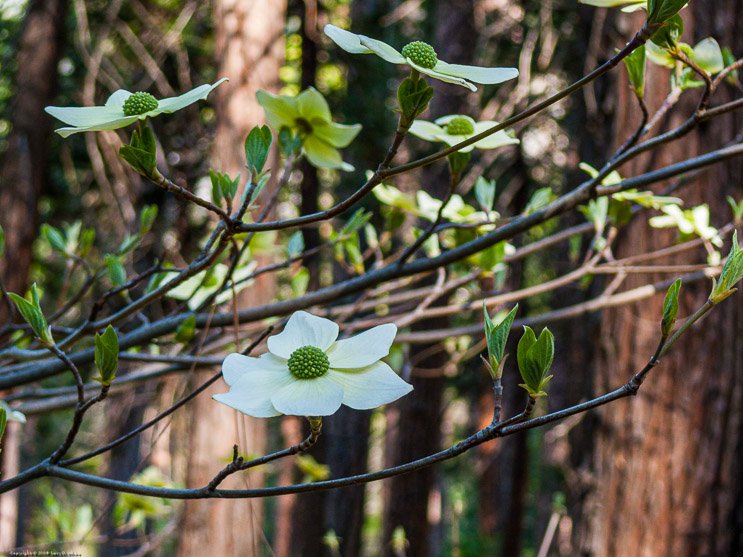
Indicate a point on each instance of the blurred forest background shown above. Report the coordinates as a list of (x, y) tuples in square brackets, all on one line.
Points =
[(659, 474)]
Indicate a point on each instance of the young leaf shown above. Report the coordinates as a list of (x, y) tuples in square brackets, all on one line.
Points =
[(54, 237), (216, 188), (413, 97), (147, 219), (107, 355), (116, 271), (496, 337), (31, 312), (296, 244), (670, 307), (660, 11), (3, 422), (186, 330), (485, 193), (257, 145), (635, 63)]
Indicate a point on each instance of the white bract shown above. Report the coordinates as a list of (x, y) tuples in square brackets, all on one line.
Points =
[(307, 372), (111, 116), (455, 128), (309, 114), (422, 58), (629, 5)]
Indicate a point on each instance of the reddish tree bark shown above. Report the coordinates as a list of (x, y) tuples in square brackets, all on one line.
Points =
[(666, 464)]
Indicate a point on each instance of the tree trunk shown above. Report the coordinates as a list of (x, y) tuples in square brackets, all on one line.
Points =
[(417, 424), (668, 474), (23, 170), (249, 52)]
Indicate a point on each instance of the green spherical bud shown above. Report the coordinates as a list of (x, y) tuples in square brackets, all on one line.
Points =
[(139, 103), (308, 362), (421, 54), (460, 126)]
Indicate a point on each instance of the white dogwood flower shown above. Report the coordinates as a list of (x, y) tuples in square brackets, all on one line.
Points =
[(455, 128), (123, 108), (422, 57), (307, 372)]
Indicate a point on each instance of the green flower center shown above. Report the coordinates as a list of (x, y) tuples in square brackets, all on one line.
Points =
[(139, 103), (305, 128), (421, 54), (308, 362), (460, 126)]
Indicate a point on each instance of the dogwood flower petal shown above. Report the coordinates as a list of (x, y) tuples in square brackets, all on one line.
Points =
[(303, 329), (237, 366), (111, 116), (441, 76), (426, 130), (350, 42), (309, 397), (383, 50), (243, 401), (324, 155), (363, 349), (312, 106), (337, 135), (478, 74), (450, 73), (371, 386), (498, 139), (280, 110)]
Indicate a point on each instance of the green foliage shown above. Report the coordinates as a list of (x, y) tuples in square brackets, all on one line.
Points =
[(635, 63), (485, 193), (731, 273), (660, 11), (257, 146), (535, 359), (107, 355), (458, 162), (186, 330), (116, 271), (670, 307), (736, 206), (669, 34), (30, 309), (223, 187), (496, 337), (289, 143), (141, 153), (295, 245), (147, 219), (3, 422), (413, 96)]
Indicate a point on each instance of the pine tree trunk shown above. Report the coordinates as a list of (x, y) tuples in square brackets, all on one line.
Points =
[(668, 473), (249, 52)]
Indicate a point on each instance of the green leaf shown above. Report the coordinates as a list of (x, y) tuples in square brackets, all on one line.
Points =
[(660, 11), (356, 222), (3, 422), (186, 330), (139, 159), (32, 314), (458, 162), (107, 355), (413, 97), (497, 336), (147, 219), (535, 359), (737, 208), (708, 56), (116, 271), (635, 63), (86, 242), (485, 193), (54, 237), (541, 198), (295, 246), (130, 242), (257, 145), (216, 188), (732, 272), (668, 35), (670, 307)]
